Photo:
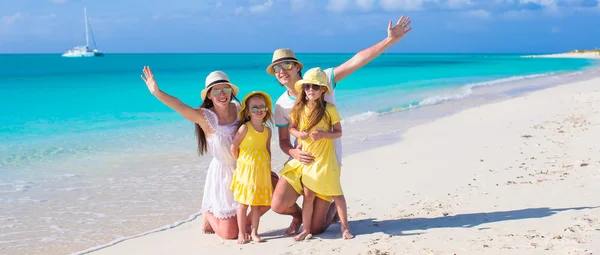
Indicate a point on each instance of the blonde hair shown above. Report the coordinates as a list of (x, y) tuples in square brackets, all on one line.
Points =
[(246, 113), (316, 115)]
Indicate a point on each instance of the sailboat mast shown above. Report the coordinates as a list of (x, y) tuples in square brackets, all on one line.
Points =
[(87, 40)]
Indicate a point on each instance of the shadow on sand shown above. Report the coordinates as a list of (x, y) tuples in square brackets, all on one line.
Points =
[(396, 227)]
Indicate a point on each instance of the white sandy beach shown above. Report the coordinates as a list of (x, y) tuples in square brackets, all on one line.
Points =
[(591, 55), (514, 177)]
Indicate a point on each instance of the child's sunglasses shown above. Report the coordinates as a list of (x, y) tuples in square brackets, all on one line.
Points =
[(217, 92), (307, 86), (255, 109), (285, 65)]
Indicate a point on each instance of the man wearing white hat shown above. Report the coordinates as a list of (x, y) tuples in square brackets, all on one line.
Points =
[(288, 70)]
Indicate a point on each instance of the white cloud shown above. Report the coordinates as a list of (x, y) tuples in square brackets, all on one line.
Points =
[(505, 2), (403, 5), (337, 5), (261, 8), (489, 6), (9, 20), (518, 14), (458, 4), (365, 5), (541, 2), (254, 9), (298, 6), (547, 4), (564, 7), (481, 14)]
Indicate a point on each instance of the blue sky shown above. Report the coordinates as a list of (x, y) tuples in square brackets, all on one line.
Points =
[(52, 26)]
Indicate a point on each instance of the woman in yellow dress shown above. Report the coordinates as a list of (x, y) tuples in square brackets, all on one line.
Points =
[(316, 123), (251, 182)]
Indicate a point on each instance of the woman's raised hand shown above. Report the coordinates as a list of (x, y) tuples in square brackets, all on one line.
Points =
[(148, 78)]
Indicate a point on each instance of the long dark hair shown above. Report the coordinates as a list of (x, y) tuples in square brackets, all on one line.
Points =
[(318, 113), (200, 134)]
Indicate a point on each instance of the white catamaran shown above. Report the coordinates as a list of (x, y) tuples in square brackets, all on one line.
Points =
[(84, 51)]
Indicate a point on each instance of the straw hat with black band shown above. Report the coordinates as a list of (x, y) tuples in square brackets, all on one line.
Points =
[(216, 78), (282, 55)]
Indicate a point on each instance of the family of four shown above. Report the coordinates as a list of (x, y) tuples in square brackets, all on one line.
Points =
[(238, 134)]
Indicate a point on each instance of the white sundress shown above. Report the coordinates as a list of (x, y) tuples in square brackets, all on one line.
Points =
[(218, 197)]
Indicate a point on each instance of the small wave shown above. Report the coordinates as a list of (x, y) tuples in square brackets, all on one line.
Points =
[(573, 73), (21, 186), (70, 189), (360, 117), (467, 90), (461, 93)]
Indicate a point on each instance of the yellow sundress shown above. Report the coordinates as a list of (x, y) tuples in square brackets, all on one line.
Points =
[(251, 182), (323, 175)]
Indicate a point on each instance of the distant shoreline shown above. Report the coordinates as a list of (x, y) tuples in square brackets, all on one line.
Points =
[(591, 54)]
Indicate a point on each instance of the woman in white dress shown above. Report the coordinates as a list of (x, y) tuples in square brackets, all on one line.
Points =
[(216, 123)]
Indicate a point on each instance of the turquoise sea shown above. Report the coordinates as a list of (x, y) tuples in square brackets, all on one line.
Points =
[(88, 155)]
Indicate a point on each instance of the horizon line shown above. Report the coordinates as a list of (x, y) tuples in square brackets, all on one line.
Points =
[(297, 52)]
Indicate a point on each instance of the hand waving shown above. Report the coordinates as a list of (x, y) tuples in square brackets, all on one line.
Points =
[(148, 78), (401, 28)]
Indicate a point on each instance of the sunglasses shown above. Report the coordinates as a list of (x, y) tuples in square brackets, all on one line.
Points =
[(285, 65), (309, 86), (261, 108), (217, 92)]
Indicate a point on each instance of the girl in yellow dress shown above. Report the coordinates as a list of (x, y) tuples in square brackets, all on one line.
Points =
[(316, 123), (251, 182)]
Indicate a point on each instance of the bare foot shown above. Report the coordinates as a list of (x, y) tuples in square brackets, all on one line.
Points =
[(346, 234), (207, 227), (294, 227), (305, 235), (242, 239), (257, 238)]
